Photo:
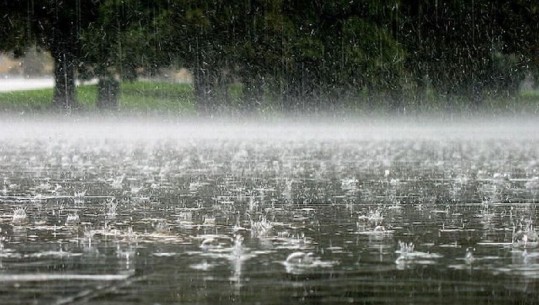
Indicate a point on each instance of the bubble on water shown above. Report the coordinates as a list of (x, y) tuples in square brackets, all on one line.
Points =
[(301, 262), (300, 258), (469, 257), (215, 242)]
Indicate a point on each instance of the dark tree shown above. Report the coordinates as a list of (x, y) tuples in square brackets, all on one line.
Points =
[(55, 26), (470, 49), (297, 55), (122, 44), (196, 34)]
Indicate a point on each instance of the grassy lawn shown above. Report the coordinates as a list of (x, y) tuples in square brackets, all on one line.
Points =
[(159, 97), (139, 96), (152, 97), (30, 100)]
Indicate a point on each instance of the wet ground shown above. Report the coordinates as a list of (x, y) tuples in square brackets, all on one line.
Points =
[(213, 214)]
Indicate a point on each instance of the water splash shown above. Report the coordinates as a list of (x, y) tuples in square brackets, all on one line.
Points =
[(19, 217), (72, 220), (525, 236), (111, 206), (408, 255), (78, 197), (261, 228), (300, 262)]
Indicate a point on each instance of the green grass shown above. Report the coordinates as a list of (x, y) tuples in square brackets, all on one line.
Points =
[(30, 100), (152, 97), (139, 96), (159, 97)]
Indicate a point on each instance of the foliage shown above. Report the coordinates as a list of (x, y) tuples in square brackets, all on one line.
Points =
[(470, 48), (122, 40), (52, 25), (292, 55)]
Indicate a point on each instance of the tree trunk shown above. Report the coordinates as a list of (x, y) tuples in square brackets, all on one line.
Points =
[(290, 96), (201, 91), (253, 92), (64, 76), (477, 96), (204, 82), (292, 90), (396, 100), (108, 93)]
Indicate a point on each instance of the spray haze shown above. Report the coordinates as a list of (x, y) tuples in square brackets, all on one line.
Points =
[(297, 129)]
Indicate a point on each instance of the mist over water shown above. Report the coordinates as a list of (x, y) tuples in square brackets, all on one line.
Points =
[(292, 128), (138, 211)]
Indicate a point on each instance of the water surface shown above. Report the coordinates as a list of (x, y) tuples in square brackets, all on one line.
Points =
[(217, 213)]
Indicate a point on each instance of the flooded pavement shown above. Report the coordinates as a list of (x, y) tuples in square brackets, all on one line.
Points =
[(170, 214)]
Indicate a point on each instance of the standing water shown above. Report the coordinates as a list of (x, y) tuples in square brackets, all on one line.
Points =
[(167, 213)]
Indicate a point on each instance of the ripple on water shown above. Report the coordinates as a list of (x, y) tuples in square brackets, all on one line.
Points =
[(206, 220)]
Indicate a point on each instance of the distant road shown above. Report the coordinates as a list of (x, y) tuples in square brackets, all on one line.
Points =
[(18, 84)]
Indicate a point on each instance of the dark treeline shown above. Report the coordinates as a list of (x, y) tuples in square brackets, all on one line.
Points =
[(295, 55)]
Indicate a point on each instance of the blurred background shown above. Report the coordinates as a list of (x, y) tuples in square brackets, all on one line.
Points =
[(254, 56)]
